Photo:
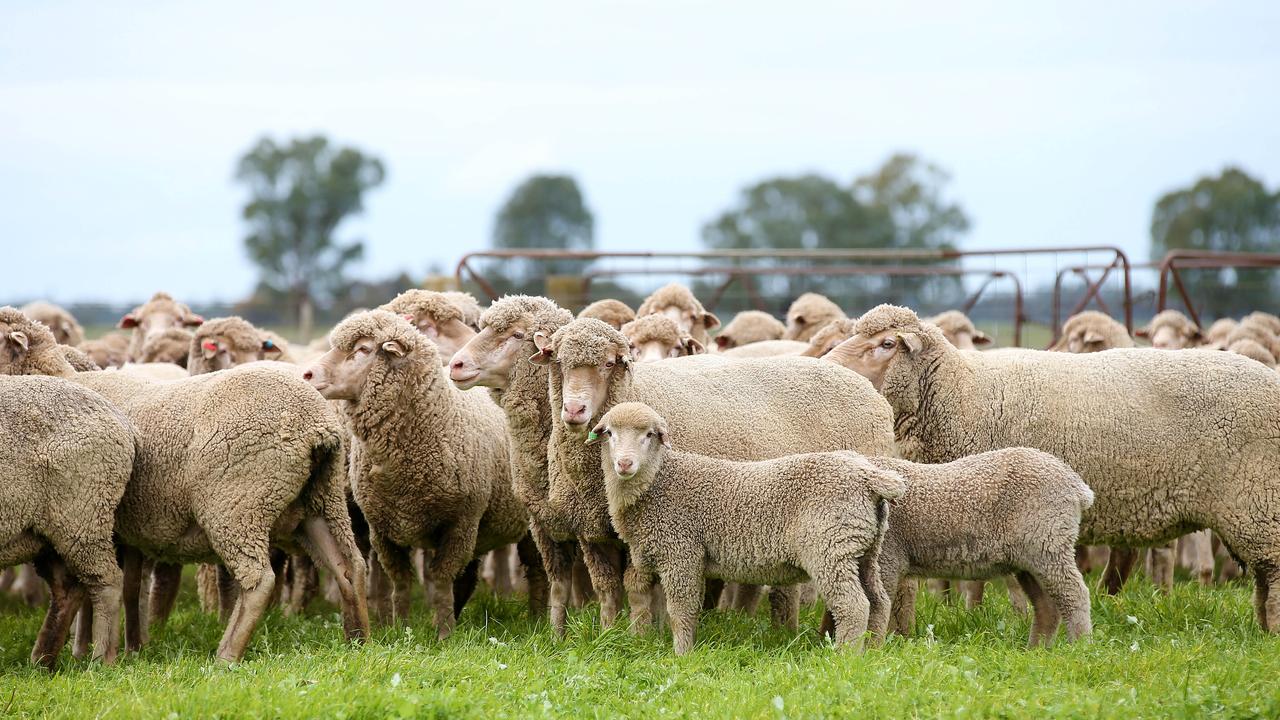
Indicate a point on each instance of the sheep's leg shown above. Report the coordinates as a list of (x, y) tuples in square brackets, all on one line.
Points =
[(84, 630), (714, 589), (1261, 596), (784, 607), (398, 567), (257, 582), (581, 593), (728, 596), (604, 562), (207, 587), (7, 576), (1044, 620), (422, 558), (228, 591), (464, 585), (684, 589), (972, 590), (878, 605), (1017, 598), (535, 576), (1200, 548), (379, 589), (455, 551), (848, 604), (1162, 564), (29, 585), (501, 565), (91, 561), (346, 573), (165, 578), (1119, 566), (903, 613), (66, 595), (131, 563), (639, 585), (1271, 603), (144, 599), (557, 561), (1064, 585), (747, 598)]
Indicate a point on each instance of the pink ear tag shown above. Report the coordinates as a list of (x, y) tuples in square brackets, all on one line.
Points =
[(210, 346)]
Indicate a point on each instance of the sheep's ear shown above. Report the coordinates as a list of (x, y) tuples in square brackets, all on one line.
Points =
[(19, 338), (1093, 336), (722, 342), (710, 321), (799, 320), (911, 341), (546, 354), (1143, 332), (208, 349), (1197, 336), (193, 321), (693, 347), (394, 348), (664, 437), (981, 338), (128, 321), (597, 435), (541, 341)]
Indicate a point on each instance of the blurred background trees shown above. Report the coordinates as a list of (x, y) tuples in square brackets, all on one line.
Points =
[(545, 212)]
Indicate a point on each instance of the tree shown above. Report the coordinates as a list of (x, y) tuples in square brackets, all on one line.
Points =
[(900, 205), (544, 212), (1231, 212), (299, 194)]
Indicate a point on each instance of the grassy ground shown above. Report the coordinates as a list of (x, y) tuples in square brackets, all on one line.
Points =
[(1197, 652)]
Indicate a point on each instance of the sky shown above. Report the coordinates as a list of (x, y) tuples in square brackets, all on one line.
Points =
[(1060, 123)]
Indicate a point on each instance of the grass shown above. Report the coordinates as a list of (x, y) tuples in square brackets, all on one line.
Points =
[(1197, 652)]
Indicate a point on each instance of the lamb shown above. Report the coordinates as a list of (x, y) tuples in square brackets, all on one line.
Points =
[(110, 350), (1006, 511), (1216, 337), (808, 314), (437, 316), (828, 337), (1193, 444), (152, 318), (169, 346), (1091, 331), (959, 330), (749, 326), (614, 312), (228, 464), (658, 337), (678, 303), (1171, 330), (684, 517), (433, 469), (767, 348), (67, 457), (740, 410), (62, 323)]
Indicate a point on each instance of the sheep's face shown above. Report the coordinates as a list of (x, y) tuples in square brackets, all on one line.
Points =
[(448, 335), (488, 358), (655, 350), (340, 374), (1167, 337), (15, 344), (1084, 341), (219, 353), (584, 390), (870, 356), (152, 319), (630, 447)]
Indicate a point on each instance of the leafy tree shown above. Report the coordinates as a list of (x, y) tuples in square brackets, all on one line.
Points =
[(299, 194), (1231, 212), (544, 212)]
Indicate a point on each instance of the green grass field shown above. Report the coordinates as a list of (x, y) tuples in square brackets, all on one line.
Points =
[(1195, 653)]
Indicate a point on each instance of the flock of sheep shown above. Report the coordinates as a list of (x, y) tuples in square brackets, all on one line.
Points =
[(623, 456)]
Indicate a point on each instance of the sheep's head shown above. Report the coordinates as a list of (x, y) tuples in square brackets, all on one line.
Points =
[(678, 303), (634, 437), (959, 330), (829, 336), (494, 356), (1253, 350), (1091, 331), (1171, 330), (610, 311), (78, 359), (65, 328), (155, 316), (588, 355), (435, 315), (885, 336), (28, 347), (110, 350), (370, 343), (808, 314), (1216, 337), (657, 337), (749, 326), (224, 343), (171, 346)]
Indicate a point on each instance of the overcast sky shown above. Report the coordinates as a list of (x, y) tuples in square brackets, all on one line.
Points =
[(119, 129)]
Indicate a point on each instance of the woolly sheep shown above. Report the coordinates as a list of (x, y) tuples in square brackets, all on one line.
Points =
[(658, 337), (767, 348), (1006, 511), (110, 350), (1091, 331), (685, 517), (67, 457), (1166, 440), (741, 410), (1256, 332), (156, 371), (1267, 320), (808, 314), (469, 306), (749, 326), (152, 318), (828, 337), (613, 312), (188, 502), (228, 342), (169, 346), (677, 302), (1216, 336), (62, 323), (1251, 349), (1171, 330), (79, 361), (434, 469), (959, 330), (436, 316)]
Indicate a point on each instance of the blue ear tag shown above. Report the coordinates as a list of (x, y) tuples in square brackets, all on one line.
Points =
[(268, 344)]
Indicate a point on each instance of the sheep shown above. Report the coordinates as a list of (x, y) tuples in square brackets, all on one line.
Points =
[(434, 469), (227, 342), (767, 348), (169, 346), (1251, 349), (658, 337), (1171, 330), (959, 330), (828, 337), (1015, 510), (1257, 332), (110, 350), (67, 457), (152, 318), (685, 516), (614, 312), (467, 303), (62, 323), (1168, 441), (677, 302), (808, 314), (436, 316), (228, 464), (1216, 337), (79, 360), (1091, 331), (749, 326), (1267, 320), (742, 410)]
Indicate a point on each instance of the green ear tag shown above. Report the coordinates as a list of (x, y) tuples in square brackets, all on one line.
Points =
[(592, 436)]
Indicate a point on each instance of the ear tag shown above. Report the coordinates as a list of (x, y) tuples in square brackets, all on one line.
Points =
[(210, 346), (268, 344), (592, 436)]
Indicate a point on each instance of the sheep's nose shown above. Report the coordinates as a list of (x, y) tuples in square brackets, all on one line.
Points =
[(625, 465), (575, 408), (455, 365), (308, 375)]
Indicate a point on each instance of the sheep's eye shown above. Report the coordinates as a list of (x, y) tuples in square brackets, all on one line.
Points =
[(608, 364), (517, 335), (362, 350), (651, 434), (888, 344)]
